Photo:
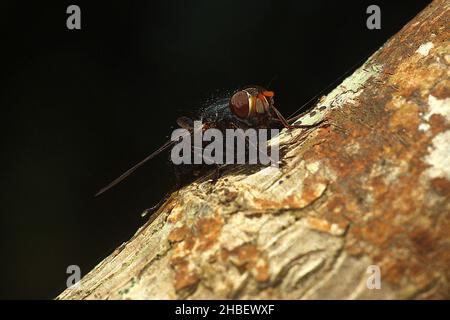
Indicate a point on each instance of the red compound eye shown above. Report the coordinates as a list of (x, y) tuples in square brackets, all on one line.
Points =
[(239, 104)]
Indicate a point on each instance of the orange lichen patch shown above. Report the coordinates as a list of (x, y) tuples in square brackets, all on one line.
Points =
[(290, 202), (263, 203), (412, 257), (184, 240), (175, 215), (184, 276), (377, 233), (336, 205), (406, 200), (395, 103), (208, 231), (392, 271), (398, 232), (224, 254), (317, 151), (409, 78), (354, 247), (423, 239), (441, 90), (248, 257), (333, 150), (244, 255), (178, 234), (312, 188), (188, 243), (319, 224), (378, 188), (294, 202), (442, 257), (438, 124), (261, 273), (442, 186), (414, 73), (407, 117), (323, 225), (323, 132), (183, 245)]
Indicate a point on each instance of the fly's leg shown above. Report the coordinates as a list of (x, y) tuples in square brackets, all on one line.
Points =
[(280, 117), (293, 119), (296, 125), (288, 124)]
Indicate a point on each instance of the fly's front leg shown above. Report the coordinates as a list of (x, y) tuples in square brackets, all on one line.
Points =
[(280, 117), (288, 124)]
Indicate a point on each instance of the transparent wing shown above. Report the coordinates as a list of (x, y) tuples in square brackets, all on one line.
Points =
[(135, 167)]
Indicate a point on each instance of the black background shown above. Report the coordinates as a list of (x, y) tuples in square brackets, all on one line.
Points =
[(80, 106)]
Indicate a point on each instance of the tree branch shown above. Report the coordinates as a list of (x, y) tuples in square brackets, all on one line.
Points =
[(369, 186)]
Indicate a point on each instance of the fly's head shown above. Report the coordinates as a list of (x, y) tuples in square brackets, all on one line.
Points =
[(252, 102)]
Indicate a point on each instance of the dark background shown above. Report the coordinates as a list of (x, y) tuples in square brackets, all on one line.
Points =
[(78, 107)]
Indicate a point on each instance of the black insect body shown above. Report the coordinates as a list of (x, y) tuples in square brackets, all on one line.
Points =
[(251, 107)]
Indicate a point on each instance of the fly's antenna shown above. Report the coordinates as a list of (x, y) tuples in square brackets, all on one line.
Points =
[(359, 62)]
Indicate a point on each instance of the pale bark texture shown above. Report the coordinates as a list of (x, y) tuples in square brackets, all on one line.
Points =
[(370, 185)]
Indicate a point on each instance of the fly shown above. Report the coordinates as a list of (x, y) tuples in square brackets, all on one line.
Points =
[(250, 107)]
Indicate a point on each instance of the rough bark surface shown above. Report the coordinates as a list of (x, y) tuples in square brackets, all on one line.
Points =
[(369, 186)]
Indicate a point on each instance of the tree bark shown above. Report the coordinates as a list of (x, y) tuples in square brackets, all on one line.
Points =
[(370, 185)]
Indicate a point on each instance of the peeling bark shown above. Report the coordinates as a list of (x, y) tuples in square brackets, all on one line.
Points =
[(368, 186)]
